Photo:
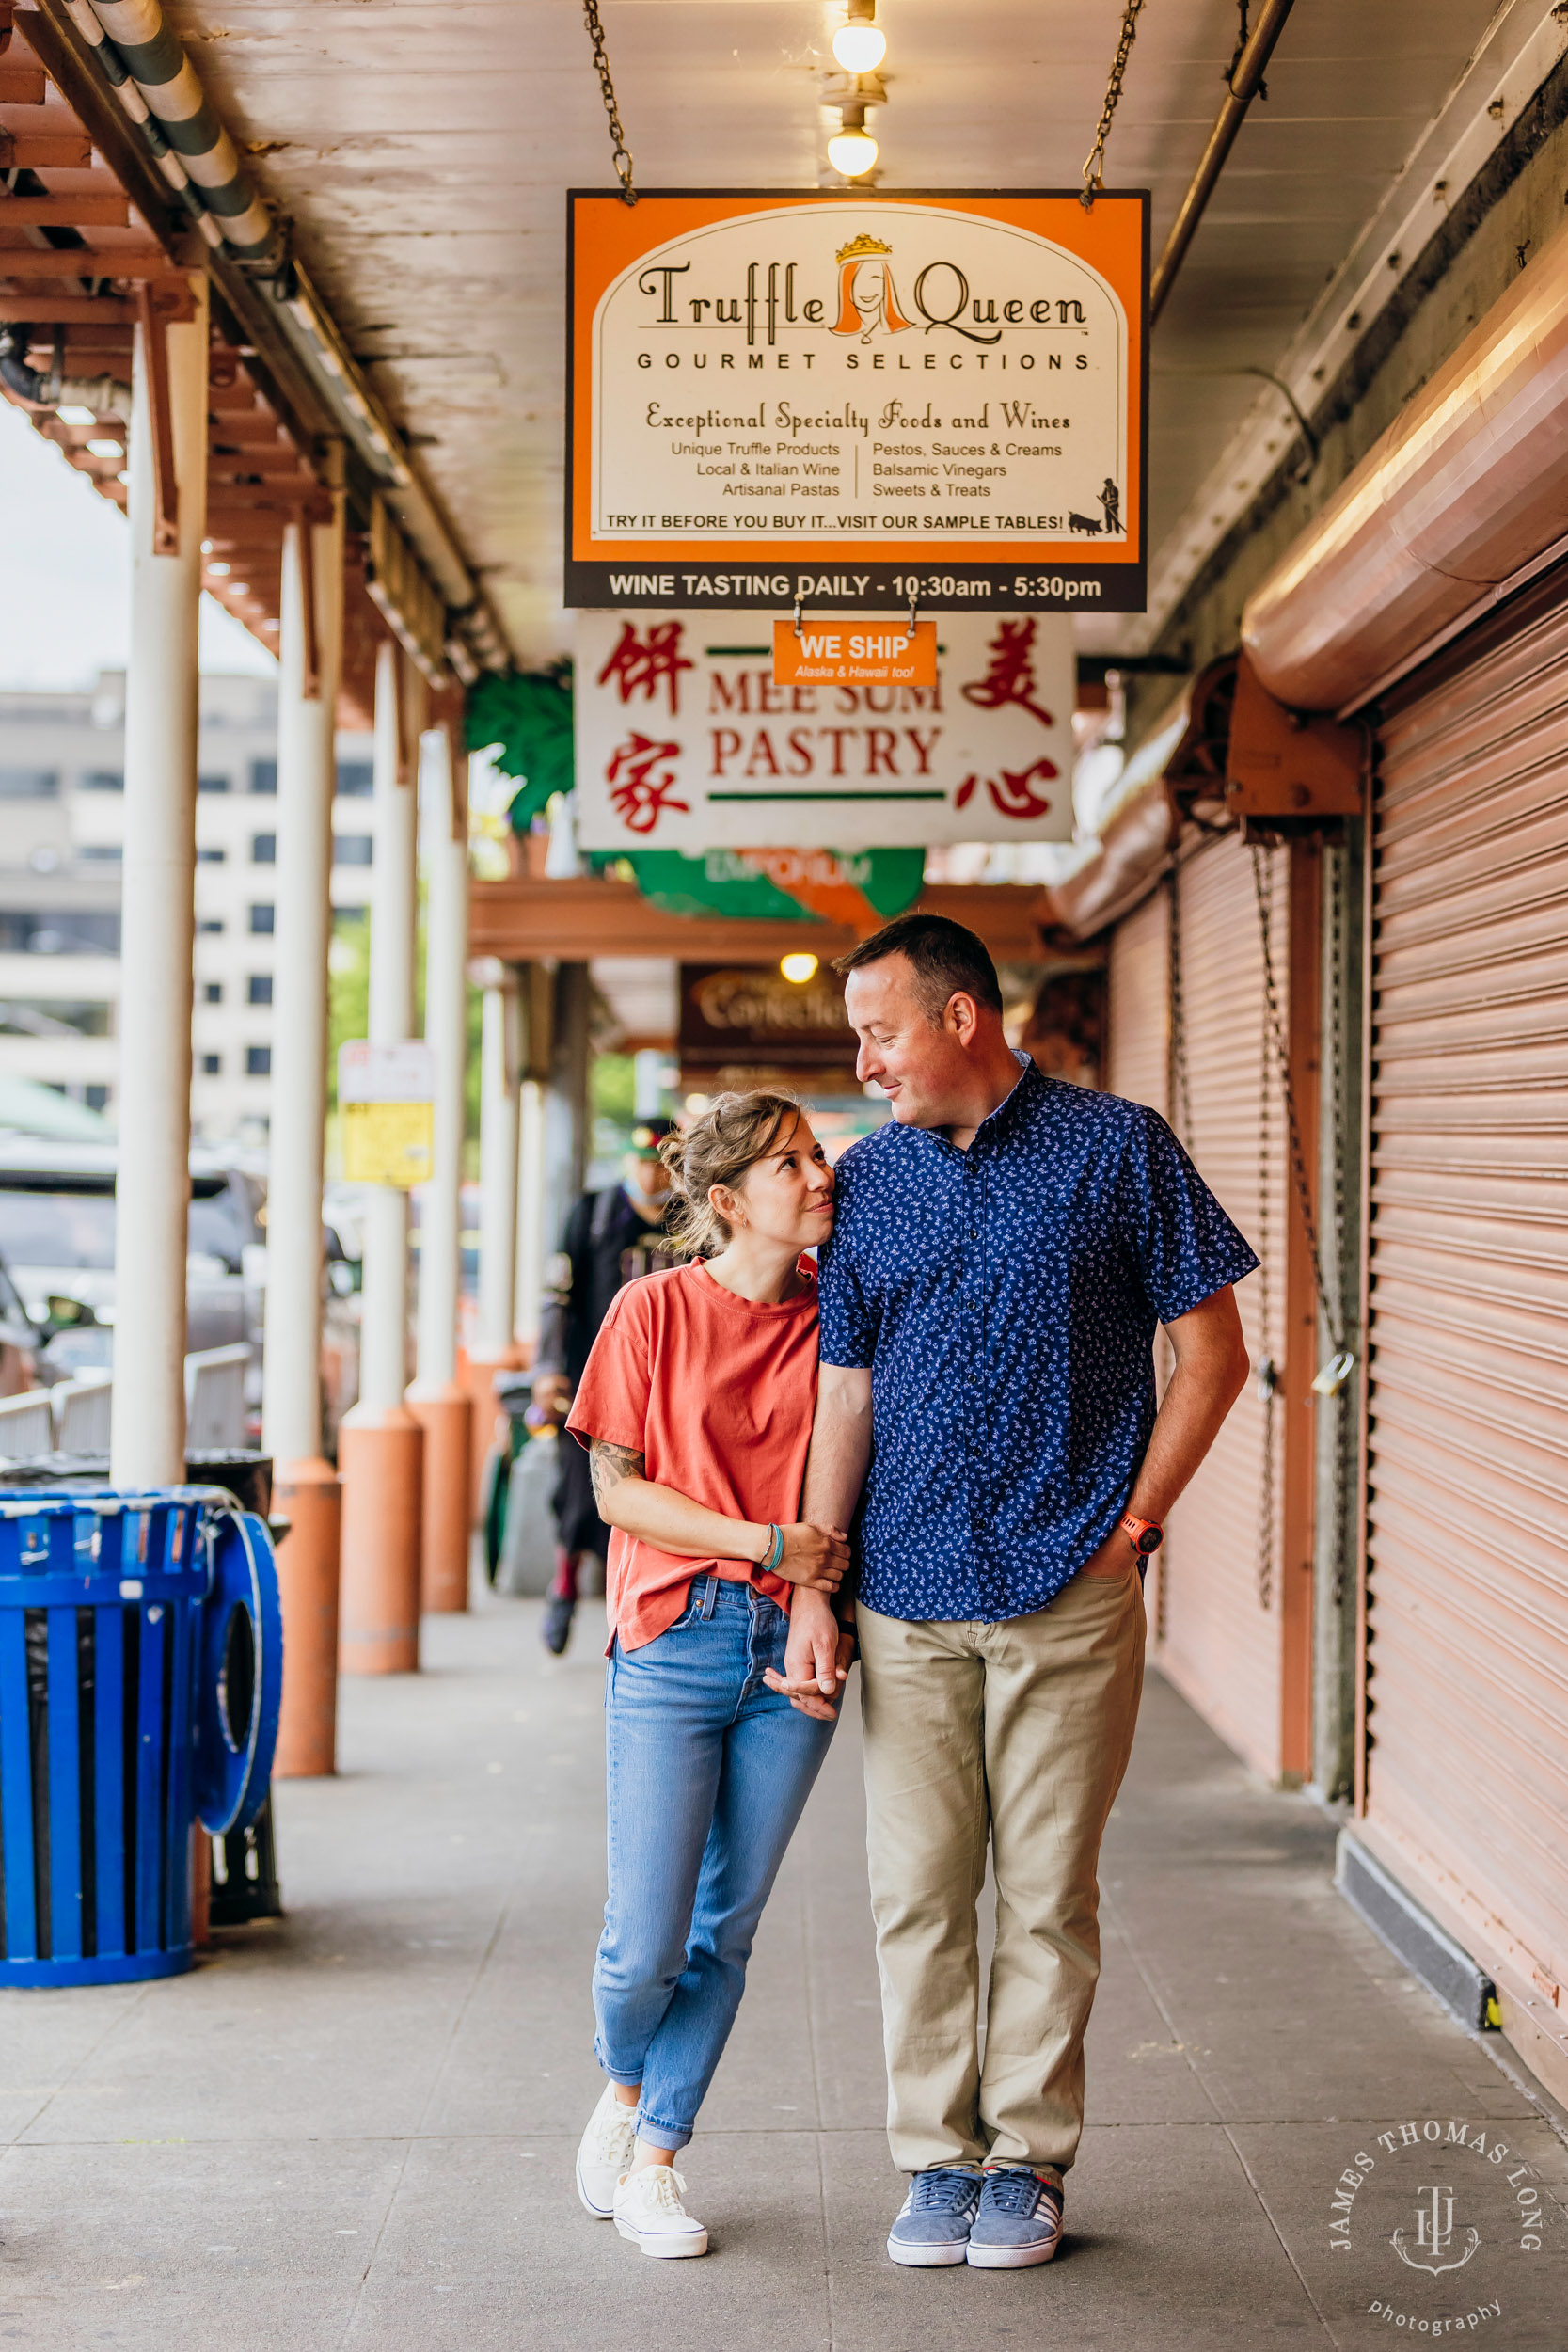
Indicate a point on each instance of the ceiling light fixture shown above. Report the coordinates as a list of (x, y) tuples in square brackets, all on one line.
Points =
[(852, 150), (800, 968), (860, 44)]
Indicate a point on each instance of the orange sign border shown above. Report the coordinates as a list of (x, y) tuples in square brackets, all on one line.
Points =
[(606, 237)]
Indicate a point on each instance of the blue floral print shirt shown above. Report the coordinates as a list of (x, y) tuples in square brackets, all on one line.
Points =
[(1005, 1299)]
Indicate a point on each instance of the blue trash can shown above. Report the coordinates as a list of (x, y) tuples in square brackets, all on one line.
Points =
[(140, 1676)]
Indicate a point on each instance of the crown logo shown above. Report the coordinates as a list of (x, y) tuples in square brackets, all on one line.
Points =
[(861, 245)]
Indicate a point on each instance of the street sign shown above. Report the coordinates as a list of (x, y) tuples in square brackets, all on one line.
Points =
[(860, 398), (685, 741), (854, 653), (386, 1099)]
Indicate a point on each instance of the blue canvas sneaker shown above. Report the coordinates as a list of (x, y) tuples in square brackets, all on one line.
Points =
[(932, 2227), (1019, 2220)]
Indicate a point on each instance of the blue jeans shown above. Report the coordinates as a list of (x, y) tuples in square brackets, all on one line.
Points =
[(707, 1773)]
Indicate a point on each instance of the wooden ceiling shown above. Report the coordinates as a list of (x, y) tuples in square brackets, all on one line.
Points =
[(77, 259)]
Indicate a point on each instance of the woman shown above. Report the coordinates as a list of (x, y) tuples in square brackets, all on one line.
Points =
[(696, 1407)]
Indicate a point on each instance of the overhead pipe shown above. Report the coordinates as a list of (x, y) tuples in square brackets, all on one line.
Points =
[(1463, 491), (103, 394), (1243, 80), (144, 63), (151, 81)]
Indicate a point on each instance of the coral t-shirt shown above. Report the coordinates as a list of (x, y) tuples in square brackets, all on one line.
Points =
[(717, 1394)]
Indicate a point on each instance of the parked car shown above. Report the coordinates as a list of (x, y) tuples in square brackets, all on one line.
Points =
[(57, 1237)]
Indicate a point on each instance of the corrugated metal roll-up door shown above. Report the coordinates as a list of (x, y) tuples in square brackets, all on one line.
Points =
[(1465, 1738), (1138, 1015), (1222, 1632)]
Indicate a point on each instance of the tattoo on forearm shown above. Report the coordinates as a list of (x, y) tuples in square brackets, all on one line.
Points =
[(608, 1464)]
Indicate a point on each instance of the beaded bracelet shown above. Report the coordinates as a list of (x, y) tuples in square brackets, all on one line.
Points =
[(775, 1551)]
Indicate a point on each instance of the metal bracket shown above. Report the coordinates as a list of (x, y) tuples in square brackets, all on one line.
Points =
[(1335, 1373)]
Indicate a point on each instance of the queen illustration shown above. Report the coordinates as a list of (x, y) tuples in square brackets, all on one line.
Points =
[(865, 293)]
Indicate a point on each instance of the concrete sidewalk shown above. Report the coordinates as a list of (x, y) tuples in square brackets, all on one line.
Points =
[(355, 2127)]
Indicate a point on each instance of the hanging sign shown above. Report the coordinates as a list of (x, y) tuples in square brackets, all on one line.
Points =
[(854, 653), (386, 1097), (751, 1014), (685, 741), (858, 399)]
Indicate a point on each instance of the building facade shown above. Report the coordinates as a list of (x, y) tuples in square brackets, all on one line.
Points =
[(62, 829), (1332, 900)]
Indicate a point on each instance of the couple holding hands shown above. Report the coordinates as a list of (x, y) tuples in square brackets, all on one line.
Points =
[(967, 1383)]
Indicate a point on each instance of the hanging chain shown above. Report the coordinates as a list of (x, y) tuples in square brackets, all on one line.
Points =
[(1179, 1106), (1094, 167), (1331, 1382), (1266, 1377), (1178, 1088), (1341, 1397), (620, 151), (1275, 1031)]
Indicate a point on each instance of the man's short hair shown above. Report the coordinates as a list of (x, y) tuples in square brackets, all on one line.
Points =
[(945, 957)]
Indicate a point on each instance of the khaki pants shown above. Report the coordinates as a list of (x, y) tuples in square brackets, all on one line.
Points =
[(1022, 1731)]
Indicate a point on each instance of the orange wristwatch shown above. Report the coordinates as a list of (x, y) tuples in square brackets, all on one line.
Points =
[(1144, 1535)]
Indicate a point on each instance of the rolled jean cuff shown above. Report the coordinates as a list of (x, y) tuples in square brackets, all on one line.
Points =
[(666, 2136), (616, 2074)]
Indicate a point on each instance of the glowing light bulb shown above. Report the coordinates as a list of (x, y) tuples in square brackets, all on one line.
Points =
[(852, 152), (860, 47), (798, 968)]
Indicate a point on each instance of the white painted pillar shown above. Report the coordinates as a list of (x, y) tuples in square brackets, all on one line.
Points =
[(441, 1408), (446, 852), (380, 1443), (533, 1246), (147, 1444), (305, 1484), (383, 1362), (498, 1159), (307, 706), (647, 1069)]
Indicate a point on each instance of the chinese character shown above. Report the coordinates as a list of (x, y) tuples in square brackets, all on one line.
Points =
[(1011, 676), (640, 796), (640, 668), (1015, 796)]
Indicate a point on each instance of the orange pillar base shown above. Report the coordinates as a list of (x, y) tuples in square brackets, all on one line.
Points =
[(445, 1413), (380, 1462), (476, 1374), (307, 1495)]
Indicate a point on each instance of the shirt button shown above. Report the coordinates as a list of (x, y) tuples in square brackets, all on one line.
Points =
[(974, 1232)]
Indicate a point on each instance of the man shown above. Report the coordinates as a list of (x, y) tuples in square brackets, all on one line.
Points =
[(611, 1237), (1002, 1252)]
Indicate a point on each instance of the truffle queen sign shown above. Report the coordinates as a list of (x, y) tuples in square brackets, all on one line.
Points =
[(858, 401)]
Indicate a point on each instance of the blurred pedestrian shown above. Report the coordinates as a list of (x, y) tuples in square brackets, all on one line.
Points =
[(611, 1237)]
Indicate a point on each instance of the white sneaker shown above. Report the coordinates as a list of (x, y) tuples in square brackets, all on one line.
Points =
[(648, 2208), (604, 2153)]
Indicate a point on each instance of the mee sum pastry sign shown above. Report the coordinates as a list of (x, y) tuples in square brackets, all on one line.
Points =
[(689, 735), (857, 401)]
